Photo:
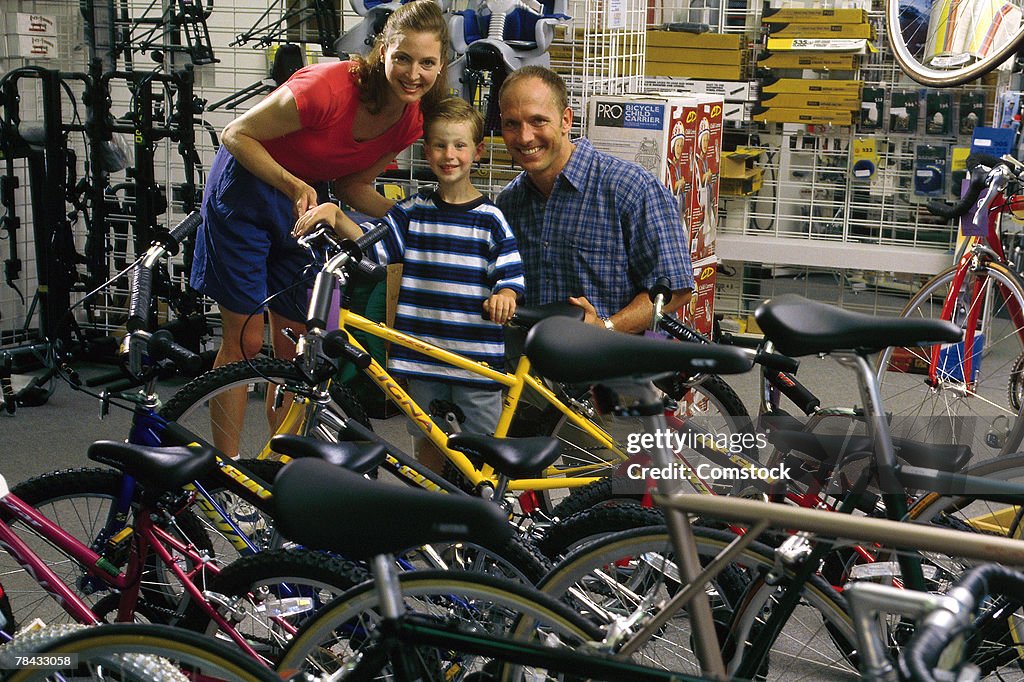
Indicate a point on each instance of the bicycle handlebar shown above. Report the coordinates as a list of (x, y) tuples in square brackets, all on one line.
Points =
[(942, 625), (981, 167), (142, 278)]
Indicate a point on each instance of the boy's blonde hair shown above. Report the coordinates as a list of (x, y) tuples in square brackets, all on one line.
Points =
[(454, 110)]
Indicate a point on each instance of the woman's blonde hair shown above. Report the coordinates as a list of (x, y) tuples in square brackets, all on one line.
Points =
[(418, 16)]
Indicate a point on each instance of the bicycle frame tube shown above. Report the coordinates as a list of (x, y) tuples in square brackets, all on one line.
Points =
[(515, 382), (35, 566)]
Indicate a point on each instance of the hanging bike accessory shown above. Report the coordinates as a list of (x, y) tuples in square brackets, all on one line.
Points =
[(493, 39)]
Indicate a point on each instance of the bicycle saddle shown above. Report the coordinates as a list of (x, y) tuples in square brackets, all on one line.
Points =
[(829, 448), (512, 457), (527, 316), (574, 352), (362, 458), (157, 469), (323, 507), (798, 326)]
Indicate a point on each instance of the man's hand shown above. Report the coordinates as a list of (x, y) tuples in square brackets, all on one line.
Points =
[(501, 306), (590, 312)]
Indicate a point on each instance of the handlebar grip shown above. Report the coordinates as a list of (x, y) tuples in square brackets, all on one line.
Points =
[(138, 305), (104, 379), (660, 288), (783, 363), (983, 159), (162, 346), (336, 345), (371, 271), (183, 230), (372, 236)]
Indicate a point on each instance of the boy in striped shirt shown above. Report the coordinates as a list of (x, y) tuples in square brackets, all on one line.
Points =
[(460, 259)]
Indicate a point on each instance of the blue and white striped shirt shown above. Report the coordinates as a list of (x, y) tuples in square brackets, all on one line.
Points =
[(455, 257), (607, 232)]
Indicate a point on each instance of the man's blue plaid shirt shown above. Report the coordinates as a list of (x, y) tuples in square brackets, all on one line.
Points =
[(607, 232)]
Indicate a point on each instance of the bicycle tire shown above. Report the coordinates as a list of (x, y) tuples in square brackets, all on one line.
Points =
[(129, 666), (190, 406), (296, 582), (605, 579), (81, 501), (976, 413), (345, 627), (198, 655), (910, 33), (710, 407)]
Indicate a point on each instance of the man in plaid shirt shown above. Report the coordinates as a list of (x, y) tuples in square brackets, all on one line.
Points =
[(590, 226)]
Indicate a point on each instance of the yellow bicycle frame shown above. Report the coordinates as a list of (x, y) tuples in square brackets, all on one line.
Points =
[(554, 478)]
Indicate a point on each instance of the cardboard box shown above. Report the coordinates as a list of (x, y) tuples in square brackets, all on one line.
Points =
[(828, 31), (821, 85), (707, 41), (692, 56), (32, 24), (737, 163), (32, 47), (663, 133), (700, 312), (703, 126), (747, 183), (840, 45), (686, 70), (818, 61), (814, 16), (835, 117), (797, 100), (741, 91)]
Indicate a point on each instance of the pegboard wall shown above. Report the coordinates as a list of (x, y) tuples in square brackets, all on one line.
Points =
[(811, 211)]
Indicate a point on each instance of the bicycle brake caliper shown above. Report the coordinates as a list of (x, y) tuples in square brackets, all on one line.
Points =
[(789, 554)]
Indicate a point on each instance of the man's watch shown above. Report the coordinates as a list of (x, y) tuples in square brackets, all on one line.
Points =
[(608, 324)]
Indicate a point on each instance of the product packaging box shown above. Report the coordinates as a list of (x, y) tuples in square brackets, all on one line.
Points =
[(678, 138), (700, 312), (32, 24)]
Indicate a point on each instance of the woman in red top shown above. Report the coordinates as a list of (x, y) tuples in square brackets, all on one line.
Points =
[(342, 122)]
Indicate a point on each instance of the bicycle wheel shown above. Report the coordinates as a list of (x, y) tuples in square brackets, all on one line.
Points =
[(142, 653), (127, 666), (710, 409), (482, 603), (941, 44), (190, 406), (977, 412), (81, 502), (609, 579), (268, 596)]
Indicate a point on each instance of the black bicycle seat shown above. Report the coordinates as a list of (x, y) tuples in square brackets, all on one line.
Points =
[(798, 326), (158, 469), (570, 351), (323, 507)]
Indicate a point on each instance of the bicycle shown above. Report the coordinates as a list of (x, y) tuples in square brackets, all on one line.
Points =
[(763, 616), (125, 540), (953, 44), (590, 450), (968, 393)]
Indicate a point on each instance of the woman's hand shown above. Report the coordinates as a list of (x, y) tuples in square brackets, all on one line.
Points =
[(324, 213), (303, 199)]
